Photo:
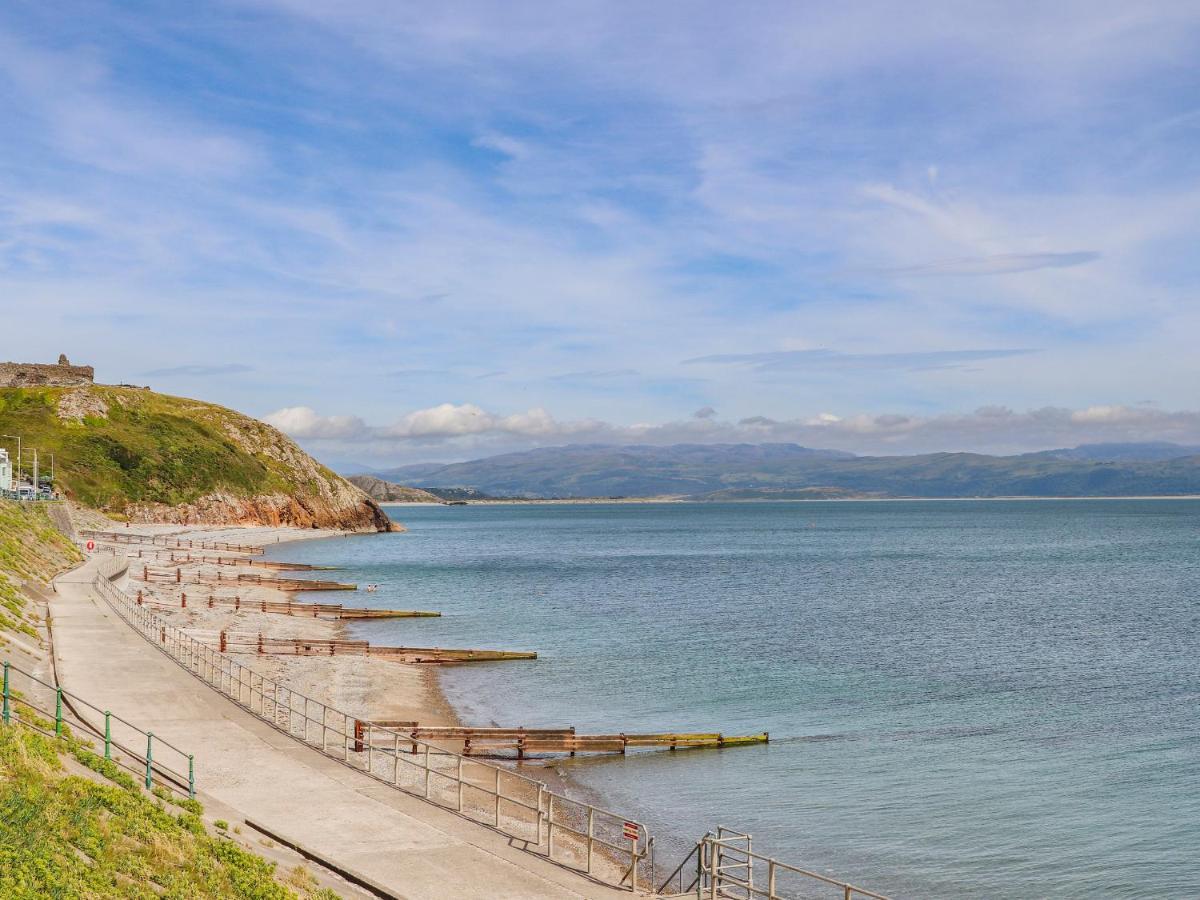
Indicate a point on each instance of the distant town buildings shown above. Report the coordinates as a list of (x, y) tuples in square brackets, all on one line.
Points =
[(6, 472)]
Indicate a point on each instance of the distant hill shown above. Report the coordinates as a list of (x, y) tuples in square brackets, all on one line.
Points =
[(387, 492), (597, 470), (788, 471), (1145, 452), (151, 457)]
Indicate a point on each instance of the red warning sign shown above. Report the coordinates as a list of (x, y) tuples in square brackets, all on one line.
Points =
[(631, 831), (91, 545)]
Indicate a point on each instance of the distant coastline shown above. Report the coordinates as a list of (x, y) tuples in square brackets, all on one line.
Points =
[(598, 501)]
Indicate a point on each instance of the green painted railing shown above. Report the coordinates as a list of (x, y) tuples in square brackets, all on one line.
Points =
[(162, 763)]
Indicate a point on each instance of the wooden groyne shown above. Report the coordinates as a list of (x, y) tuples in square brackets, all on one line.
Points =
[(290, 584), (248, 642), (284, 607), (522, 741), (155, 540), (172, 556), (176, 576)]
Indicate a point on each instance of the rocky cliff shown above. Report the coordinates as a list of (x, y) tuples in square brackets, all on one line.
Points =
[(35, 374), (155, 458), (387, 492)]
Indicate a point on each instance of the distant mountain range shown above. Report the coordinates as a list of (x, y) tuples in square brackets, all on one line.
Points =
[(789, 471)]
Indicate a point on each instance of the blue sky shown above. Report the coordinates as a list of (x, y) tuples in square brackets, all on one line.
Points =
[(432, 231)]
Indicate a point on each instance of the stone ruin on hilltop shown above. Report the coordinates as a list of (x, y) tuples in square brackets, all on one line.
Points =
[(21, 375)]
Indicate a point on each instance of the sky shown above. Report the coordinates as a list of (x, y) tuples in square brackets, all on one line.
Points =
[(434, 231)]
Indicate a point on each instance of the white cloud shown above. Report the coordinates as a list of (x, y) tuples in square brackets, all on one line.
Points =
[(301, 422), (451, 431)]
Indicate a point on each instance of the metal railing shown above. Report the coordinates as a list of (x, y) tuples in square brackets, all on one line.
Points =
[(160, 763), (606, 846), (118, 537), (30, 497), (724, 864)]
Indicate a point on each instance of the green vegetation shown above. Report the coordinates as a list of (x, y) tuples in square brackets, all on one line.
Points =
[(31, 549), (64, 835), (114, 446)]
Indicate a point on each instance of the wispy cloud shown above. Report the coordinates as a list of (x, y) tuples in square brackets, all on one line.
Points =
[(199, 371), (998, 264), (554, 193), (834, 361), (595, 375)]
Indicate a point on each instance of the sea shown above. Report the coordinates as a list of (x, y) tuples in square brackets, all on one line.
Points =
[(994, 699)]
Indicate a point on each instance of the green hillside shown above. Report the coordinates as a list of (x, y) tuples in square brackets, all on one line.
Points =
[(128, 450)]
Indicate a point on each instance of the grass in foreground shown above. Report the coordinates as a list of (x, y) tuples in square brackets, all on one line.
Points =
[(64, 835)]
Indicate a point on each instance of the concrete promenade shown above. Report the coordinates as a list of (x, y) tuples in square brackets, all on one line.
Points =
[(411, 848)]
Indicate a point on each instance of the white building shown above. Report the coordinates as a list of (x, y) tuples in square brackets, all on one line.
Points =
[(6, 472)]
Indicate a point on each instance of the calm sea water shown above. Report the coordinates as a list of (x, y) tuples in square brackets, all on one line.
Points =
[(965, 699)]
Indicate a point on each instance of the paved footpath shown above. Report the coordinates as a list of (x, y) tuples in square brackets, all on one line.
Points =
[(412, 848)]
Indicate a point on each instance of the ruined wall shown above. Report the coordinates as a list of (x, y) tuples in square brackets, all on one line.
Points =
[(35, 375)]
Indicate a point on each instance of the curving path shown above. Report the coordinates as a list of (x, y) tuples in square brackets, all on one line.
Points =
[(410, 848)]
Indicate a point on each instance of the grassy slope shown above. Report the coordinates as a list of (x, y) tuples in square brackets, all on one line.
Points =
[(67, 836), (30, 550), (64, 836), (150, 448)]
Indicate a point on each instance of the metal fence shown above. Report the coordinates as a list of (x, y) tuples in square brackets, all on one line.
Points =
[(724, 865), (608, 847), (133, 537), (30, 496), (161, 762)]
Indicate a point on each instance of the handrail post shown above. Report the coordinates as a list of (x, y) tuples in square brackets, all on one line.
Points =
[(497, 796), (107, 734), (633, 860), (58, 719), (191, 777), (541, 791), (460, 784), (426, 771), (590, 834), (149, 759), (6, 692)]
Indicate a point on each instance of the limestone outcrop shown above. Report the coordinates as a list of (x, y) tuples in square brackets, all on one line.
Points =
[(24, 375), (342, 513)]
